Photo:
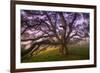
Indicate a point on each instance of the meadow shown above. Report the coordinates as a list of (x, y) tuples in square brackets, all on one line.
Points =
[(76, 52)]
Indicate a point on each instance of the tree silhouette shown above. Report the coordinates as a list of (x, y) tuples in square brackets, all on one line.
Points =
[(53, 28)]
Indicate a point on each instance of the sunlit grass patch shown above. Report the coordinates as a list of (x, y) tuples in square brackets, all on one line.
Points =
[(52, 54)]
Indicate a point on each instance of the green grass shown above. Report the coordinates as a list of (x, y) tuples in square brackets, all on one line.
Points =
[(52, 54)]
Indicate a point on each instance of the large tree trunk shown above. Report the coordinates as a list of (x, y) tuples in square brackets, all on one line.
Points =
[(64, 49)]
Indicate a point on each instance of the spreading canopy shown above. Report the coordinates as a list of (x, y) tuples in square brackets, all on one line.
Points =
[(51, 27)]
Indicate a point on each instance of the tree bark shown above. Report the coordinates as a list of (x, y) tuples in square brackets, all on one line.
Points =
[(64, 49)]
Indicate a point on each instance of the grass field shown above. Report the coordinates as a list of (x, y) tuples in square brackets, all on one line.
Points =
[(52, 54)]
